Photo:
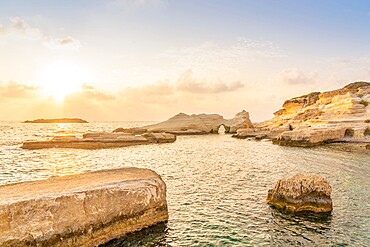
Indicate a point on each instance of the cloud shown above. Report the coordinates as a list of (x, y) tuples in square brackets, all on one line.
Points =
[(89, 92), (63, 43), (295, 76), (135, 3), (16, 90), (21, 29), (187, 83), (211, 54)]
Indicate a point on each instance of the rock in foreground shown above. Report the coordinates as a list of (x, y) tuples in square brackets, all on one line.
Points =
[(57, 120), (302, 192), (81, 210)]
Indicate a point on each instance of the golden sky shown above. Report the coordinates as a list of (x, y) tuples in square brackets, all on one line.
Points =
[(128, 60)]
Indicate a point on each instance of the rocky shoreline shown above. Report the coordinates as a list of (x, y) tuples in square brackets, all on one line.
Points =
[(339, 116)]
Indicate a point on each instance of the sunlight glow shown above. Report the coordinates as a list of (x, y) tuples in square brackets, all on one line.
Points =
[(62, 78)]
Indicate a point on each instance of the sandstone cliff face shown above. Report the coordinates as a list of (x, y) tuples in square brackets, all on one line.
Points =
[(81, 210), (302, 192), (183, 124), (350, 102), (318, 118)]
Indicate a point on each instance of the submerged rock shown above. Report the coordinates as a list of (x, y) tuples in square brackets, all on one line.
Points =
[(302, 192), (81, 210)]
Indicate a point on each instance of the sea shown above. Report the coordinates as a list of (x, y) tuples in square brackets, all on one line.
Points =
[(216, 185)]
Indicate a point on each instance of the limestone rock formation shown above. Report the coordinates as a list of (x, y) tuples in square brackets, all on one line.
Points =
[(241, 120), (302, 192), (159, 137), (98, 140), (350, 102), (316, 135), (196, 124), (318, 118), (81, 210), (135, 131)]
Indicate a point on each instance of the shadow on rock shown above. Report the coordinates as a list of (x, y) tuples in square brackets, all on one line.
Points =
[(152, 236)]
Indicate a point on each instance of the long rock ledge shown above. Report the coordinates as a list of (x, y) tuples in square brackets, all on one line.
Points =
[(81, 210)]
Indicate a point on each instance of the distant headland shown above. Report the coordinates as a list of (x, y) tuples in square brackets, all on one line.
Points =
[(57, 120)]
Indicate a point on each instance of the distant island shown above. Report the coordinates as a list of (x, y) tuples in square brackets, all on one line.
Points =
[(57, 120)]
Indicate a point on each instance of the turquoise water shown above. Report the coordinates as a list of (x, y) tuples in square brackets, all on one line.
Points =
[(216, 185)]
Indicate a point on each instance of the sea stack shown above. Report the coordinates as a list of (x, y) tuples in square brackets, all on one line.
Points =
[(302, 192), (81, 210)]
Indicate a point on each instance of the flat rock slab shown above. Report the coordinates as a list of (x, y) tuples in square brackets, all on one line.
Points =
[(99, 140), (81, 210)]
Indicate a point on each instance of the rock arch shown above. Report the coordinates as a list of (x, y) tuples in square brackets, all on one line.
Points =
[(223, 126), (349, 133)]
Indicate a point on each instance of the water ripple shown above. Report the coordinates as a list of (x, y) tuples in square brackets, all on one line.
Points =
[(216, 186)]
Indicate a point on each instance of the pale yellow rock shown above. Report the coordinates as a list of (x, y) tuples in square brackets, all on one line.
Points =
[(81, 210), (98, 140), (183, 124), (302, 192), (318, 118)]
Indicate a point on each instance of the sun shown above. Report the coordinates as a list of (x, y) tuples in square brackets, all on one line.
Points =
[(61, 78)]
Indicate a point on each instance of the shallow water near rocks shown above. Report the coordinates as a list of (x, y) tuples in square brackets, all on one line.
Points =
[(216, 185)]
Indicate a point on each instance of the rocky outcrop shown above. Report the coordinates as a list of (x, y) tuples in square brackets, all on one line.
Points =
[(81, 210), (135, 131), (318, 118), (302, 192), (57, 120), (350, 102), (330, 133), (196, 124), (98, 140)]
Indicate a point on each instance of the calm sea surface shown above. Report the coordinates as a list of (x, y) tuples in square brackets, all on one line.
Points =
[(217, 185)]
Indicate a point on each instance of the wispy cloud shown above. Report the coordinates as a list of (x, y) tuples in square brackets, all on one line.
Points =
[(135, 3), (215, 60), (12, 89), (244, 50), (91, 92), (294, 76), (22, 30), (188, 83)]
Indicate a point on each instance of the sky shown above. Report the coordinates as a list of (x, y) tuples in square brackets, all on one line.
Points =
[(127, 60)]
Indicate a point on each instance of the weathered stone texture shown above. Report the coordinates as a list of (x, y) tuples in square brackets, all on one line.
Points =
[(302, 192), (81, 210)]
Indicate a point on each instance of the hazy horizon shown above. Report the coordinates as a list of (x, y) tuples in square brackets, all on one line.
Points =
[(147, 60)]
